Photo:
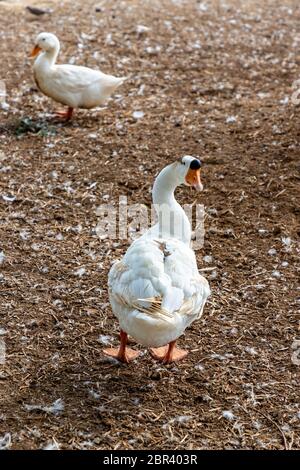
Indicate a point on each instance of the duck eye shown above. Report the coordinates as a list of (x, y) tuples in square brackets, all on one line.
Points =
[(195, 164)]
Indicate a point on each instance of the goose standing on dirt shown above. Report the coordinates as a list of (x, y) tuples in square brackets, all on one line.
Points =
[(71, 85), (156, 291)]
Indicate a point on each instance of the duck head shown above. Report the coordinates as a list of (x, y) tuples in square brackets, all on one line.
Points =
[(45, 42)]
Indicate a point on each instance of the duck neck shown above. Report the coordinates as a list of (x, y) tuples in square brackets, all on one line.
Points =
[(46, 59), (172, 220)]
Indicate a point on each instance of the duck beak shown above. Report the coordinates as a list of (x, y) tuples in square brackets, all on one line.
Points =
[(193, 179), (35, 51)]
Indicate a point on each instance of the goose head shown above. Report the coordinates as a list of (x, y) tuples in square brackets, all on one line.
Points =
[(188, 172), (46, 42)]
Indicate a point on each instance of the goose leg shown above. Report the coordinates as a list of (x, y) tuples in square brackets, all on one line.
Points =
[(169, 353), (123, 354), (65, 114)]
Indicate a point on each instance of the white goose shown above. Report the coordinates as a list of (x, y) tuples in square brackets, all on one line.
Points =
[(71, 85), (156, 291)]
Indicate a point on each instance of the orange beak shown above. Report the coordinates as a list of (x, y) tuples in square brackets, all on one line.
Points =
[(35, 51), (193, 179)]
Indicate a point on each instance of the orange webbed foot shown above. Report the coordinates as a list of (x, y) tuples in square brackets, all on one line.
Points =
[(127, 356), (65, 114), (168, 354)]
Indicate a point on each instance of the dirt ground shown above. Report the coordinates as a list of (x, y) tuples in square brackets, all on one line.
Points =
[(214, 79)]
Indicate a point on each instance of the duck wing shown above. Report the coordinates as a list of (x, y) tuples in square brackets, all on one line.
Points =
[(75, 79)]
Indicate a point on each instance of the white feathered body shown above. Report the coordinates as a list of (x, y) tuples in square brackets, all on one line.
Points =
[(156, 291), (74, 86)]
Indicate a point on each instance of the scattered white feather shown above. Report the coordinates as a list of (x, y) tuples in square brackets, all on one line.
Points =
[(208, 259), (286, 241), (262, 95), (212, 211), (168, 24), (213, 275), (284, 100), (2, 257), (153, 50), (57, 303), (259, 286), (207, 398), (35, 247), (86, 444), (77, 228), (227, 414), (136, 401), (197, 45), (262, 231), (141, 90), (181, 420), (141, 29), (5, 441), (56, 408), (230, 119), (24, 234), (5, 169), (199, 367), (94, 394), (257, 425), (272, 252), (105, 339), (250, 350), (138, 114), (8, 198), (119, 126), (52, 445), (108, 40), (80, 272), (55, 357), (276, 274), (218, 356), (203, 7), (5, 106)]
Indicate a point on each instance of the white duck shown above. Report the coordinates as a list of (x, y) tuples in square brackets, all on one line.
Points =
[(156, 291), (71, 85)]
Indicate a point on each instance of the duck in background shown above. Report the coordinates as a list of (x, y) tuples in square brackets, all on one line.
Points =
[(156, 291), (71, 85)]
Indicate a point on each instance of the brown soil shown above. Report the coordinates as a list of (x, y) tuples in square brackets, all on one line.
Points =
[(214, 62)]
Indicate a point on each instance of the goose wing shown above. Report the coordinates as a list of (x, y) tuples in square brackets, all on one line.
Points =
[(159, 278)]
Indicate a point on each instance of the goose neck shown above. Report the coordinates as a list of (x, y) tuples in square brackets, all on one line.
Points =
[(172, 220)]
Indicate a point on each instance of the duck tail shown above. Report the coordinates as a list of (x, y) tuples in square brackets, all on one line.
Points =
[(121, 80)]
